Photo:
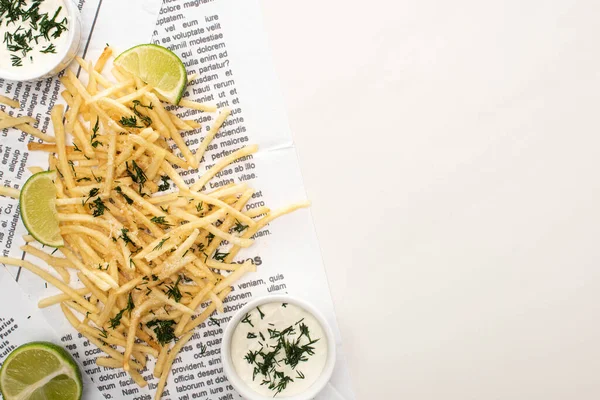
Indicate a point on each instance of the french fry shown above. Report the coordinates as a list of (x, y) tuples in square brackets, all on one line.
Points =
[(59, 264), (167, 368), (59, 298), (133, 326), (208, 175), (9, 192), (206, 313), (197, 106), (104, 57), (10, 102), (211, 134), (11, 122), (234, 276), (59, 132)]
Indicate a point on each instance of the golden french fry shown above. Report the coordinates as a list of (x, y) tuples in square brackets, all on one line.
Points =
[(9, 192), (10, 102)]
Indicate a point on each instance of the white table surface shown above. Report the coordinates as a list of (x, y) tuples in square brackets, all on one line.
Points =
[(452, 152)]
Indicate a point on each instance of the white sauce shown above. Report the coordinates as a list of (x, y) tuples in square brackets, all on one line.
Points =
[(34, 60), (281, 318)]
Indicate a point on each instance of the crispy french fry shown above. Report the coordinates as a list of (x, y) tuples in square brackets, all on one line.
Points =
[(9, 192), (10, 102), (211, 134)]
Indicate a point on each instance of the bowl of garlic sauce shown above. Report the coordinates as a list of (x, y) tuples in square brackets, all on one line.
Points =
[(278, 347), (39, 38)]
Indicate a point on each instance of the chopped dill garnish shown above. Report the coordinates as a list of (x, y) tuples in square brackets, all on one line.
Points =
[(247, 320), (220, 256), (95, 143), (160, 221), (127, 198), (98, 207), (125, 237), (203, 348), (239, 227), (164, 330), (146, 120), (160, 244), (137, 175), (210, 238), (130, 122), (93, 193), (116, 321), (165, 185), (50, 49), (174, 292)]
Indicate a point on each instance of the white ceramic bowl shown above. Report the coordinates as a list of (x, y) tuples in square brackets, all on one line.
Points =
[(66, 55), (244, 390)]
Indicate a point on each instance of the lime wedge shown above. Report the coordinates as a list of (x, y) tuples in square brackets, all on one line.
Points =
[(40, 371), (158, 67), (38, 209)]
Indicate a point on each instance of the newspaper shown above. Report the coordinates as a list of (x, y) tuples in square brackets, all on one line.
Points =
[(224, 42)]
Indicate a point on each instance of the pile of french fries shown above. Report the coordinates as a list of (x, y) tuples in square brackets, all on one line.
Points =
[(147, 250)]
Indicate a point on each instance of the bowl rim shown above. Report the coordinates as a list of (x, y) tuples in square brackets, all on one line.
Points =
[(74, 18), (240, 386)]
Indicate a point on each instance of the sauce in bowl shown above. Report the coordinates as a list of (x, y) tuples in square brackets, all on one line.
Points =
[(36, 37), (279, 349)]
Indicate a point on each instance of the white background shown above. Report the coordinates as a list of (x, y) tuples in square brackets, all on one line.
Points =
[(451, 149)]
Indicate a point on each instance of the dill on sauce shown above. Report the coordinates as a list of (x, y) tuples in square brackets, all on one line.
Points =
[(286, 348), (247, 320), (50, 49)]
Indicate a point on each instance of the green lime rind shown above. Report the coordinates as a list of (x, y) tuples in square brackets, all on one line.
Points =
[(38, 209), (158, 67), (34, 362)]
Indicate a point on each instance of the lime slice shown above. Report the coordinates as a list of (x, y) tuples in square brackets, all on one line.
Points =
[(157, 66), (40, 371), (38, 209)]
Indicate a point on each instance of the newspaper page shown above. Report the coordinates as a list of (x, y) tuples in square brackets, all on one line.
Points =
[(224, 43)]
